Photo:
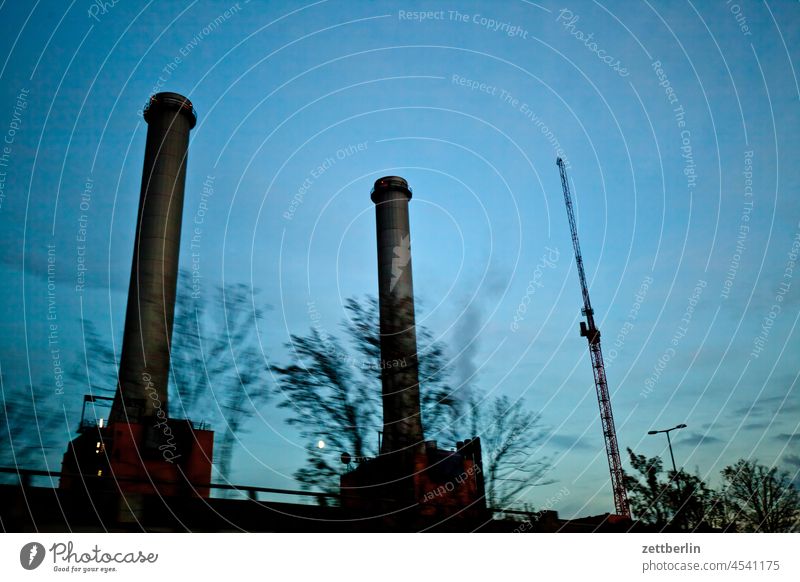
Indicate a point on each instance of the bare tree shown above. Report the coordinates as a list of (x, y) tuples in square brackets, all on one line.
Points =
[(334, 397), (97, 366), (28, 429), (218, 374), (509, 435), (763, 498), (436, 398), (329, 402)]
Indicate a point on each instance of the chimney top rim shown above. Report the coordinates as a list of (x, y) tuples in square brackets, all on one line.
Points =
[(170, 101), (390, 184)]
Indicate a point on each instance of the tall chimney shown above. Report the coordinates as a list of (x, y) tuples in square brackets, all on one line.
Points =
[(402, 427), (144, 362)]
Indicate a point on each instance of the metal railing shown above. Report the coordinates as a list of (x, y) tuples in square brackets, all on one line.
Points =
[(252, 492)]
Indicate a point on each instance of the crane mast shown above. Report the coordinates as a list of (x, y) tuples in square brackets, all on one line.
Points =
[(592, 334)]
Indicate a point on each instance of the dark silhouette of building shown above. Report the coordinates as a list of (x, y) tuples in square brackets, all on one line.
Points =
[(410, 479), (142, 450)]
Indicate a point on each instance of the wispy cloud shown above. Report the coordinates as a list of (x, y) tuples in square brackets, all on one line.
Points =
[(793, 461), (568, 441), (771, 406), (757, 425), (788, 438), (697, 439)]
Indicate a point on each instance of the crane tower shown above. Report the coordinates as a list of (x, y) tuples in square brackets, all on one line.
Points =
[(592, 334)]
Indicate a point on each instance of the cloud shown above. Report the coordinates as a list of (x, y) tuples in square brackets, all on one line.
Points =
[(770, 406), (757, 425), (697, 439), (787, 438), (793, 461), (568, 441)]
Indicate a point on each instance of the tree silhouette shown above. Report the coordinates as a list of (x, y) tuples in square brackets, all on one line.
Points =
[(218, 373), (28, 429), (680, 500), (329, 401), (646, 493), (509, 434), (334, 397), (762, 498)]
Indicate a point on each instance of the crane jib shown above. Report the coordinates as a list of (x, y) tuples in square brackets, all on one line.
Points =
[(589, 330)]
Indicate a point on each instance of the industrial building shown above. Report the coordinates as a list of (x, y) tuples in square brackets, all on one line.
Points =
[(143, 458), (143, 469)]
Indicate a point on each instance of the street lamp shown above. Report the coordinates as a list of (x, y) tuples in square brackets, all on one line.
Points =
[(669, 442), (672, 456)]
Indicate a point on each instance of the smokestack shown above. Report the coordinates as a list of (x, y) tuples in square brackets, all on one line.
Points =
[(144, 362), (402, 427)]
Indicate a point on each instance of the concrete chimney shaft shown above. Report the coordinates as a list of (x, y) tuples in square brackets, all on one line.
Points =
[(145, 358), (402, 427)]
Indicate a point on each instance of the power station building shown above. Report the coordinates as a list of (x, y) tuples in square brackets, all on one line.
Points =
[(142, 452), (411, 478)]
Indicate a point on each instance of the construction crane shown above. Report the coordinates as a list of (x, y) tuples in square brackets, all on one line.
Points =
[(592, 334)]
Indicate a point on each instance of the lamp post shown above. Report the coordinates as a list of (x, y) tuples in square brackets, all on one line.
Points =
[(672, 456), (669, 442)]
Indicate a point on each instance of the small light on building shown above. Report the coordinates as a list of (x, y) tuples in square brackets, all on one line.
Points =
[(99, 472), (100, 423)]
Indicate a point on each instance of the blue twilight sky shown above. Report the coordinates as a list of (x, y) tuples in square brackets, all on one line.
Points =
[(679, 122)]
